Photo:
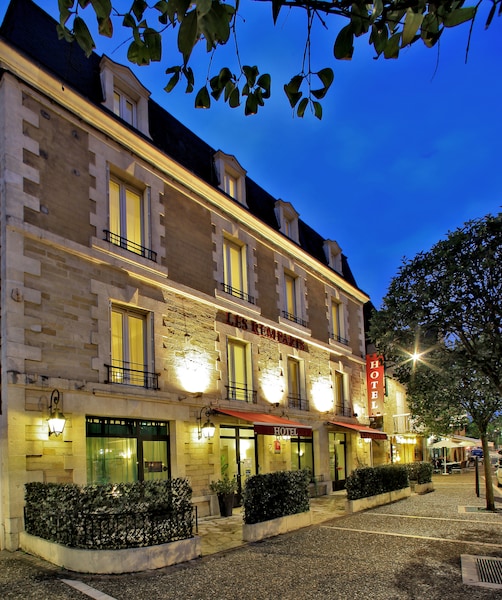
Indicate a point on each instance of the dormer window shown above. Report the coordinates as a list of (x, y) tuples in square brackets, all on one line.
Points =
[(124, 107), (232, 176), (287, 218), (333, 254), (124, 95)]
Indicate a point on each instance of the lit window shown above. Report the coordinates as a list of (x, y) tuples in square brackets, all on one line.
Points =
[(290, 295), (296, 387), (239, 372), (124, 107), (287, 218), (128, 226), (340, 407), (129, 349), (338, 332), (125, 450), (235, 269), (230, 185)]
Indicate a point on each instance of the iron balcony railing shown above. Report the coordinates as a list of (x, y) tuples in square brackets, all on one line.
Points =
[(294, 318), (125, 375), (243, 393), (228, 289), (339, 339), (343, 410), (118, 240), (296, 401)]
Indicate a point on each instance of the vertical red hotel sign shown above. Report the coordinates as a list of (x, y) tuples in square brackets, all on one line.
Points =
[(375, 384)]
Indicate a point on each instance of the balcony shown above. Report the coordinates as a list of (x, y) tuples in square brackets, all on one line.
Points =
[(296, 401), (122, 242), (127, 376), (243, 394), (228, 289), (339, 339), (294, 318), (342, 410)]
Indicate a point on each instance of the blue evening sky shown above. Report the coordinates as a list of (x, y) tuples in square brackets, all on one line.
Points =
[(407, 149)]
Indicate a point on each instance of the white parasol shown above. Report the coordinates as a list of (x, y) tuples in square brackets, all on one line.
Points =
[(448, 443)]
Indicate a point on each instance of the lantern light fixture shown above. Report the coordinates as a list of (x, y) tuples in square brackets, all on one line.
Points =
[(207, 430), (56, 420)]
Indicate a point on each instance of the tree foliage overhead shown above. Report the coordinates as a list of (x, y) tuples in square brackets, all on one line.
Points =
[(440, 329), (389, 25)]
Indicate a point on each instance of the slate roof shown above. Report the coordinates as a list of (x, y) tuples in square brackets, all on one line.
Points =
[(33, 32)]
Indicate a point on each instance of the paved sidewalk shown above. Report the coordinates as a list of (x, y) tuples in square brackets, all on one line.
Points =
[(409, 550)]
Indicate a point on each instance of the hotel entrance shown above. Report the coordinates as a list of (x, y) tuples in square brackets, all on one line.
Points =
[(238, 454)]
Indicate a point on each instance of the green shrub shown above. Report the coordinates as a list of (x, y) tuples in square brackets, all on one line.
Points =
[(274, 495), (113, 516), (421, 471), (370, 481)]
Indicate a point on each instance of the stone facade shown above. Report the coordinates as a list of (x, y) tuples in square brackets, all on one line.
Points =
[(61, 276)]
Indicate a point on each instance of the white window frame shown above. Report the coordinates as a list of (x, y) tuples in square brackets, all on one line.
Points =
[(287, 218), (333, 254), (231, 175), (240, 390), (120, 108), (236, 283)]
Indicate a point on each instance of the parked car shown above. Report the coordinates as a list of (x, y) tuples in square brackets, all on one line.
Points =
[(477, 452), (498, 474)]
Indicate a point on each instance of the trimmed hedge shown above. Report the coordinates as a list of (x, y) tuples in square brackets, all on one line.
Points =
[(421, 472), (370, 481), (273, 495), (110, 516)]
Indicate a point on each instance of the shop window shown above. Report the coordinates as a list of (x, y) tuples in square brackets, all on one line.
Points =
[(130, 332), (240, 385), (302, 454), (126, 450)]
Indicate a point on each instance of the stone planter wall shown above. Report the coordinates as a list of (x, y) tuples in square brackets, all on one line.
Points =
[(112, 561), (422, 488), (266, 529), (377, 500)]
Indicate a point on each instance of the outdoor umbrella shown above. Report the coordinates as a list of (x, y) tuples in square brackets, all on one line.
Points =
[(448, 443)]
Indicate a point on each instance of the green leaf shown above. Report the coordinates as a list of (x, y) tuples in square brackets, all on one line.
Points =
[(203, 6), (83, 36), (301, 107), (411, 25), (379, 36), (251, 74), (128, 21), (153, 40), (458, 16), (202, 100), (251, 106), (64, 7), (317, 110), (188, 73), (64, 33), (187, 35), (172, 82), (276, 7), (344, 44), (138, 8), (392, 46), (138, 53), (326, 76), (265, 81), (291, 90), (215, 26), (234, 99)]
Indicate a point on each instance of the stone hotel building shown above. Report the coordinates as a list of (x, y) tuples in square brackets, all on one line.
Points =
[(178, 318)]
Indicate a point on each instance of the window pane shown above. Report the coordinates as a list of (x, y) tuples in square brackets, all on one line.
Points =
[(116, 103), (114, 194), (133, 217), (230, 185), (117, 339), (128, 115), (290, 294), (136, 342), (111, 460), (335, 317), (233, 265), (237, 371), (293, 378)]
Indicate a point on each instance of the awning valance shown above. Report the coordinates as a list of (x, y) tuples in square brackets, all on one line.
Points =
[(267, 424), (364, 432)]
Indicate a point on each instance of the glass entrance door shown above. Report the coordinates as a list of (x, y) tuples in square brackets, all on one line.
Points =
[(337, 459), (238, 454), (154, 460)]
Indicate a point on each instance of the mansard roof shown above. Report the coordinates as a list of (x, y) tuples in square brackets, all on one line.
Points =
[(33, 32)]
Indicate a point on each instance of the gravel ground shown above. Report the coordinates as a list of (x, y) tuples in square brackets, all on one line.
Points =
[(403, 551)]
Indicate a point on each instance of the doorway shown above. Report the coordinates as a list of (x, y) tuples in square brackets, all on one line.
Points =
[(337, 459), (238, 455)]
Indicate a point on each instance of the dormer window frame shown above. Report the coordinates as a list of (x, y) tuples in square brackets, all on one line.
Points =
[(333, 254), (230, 171), (287, 218), (117, 79)]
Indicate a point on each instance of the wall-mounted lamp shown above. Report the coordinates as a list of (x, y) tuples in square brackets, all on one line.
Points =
[(207, 430), (56, 420)]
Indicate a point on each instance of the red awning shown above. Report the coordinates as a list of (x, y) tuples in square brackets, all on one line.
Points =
[(268, 424), (364, 432)]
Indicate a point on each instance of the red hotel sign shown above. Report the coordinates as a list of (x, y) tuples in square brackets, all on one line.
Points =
[(282, 430), (375, 383)]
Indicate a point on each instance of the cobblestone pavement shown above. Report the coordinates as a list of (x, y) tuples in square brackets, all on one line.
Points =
[(408, 550)]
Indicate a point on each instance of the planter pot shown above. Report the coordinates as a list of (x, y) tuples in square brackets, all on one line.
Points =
[(424, 488), (260, 531), (226, 503), (377, 500)]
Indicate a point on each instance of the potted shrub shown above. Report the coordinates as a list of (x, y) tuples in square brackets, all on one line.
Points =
[(225, 489)]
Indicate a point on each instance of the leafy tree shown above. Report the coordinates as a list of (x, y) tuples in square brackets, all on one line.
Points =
[(440, 328), (389, 25)]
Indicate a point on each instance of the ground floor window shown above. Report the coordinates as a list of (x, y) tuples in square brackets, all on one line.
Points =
[(238, 453), (124, 450), (302, 454)]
